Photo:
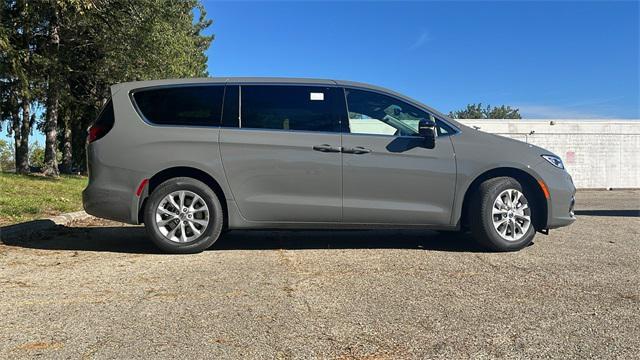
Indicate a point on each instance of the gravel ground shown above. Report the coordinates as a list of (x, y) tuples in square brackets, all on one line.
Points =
[(99, 289)]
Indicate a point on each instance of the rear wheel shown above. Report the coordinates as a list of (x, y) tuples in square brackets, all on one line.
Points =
[(183, 215), (502, 215)]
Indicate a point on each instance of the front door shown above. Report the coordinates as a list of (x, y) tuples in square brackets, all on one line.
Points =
[(388, 176), (282, 159)]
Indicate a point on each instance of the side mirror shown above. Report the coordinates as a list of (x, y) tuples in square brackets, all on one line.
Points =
[(427, 129)]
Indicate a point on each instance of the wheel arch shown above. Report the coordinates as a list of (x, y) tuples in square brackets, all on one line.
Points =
[(530, 187), (185, 171)]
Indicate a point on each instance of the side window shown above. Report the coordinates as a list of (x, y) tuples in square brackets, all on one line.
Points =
[(305, 108), (184, 105), (377, 114)]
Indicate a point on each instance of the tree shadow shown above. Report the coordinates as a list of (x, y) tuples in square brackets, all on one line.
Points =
[(134, 240)]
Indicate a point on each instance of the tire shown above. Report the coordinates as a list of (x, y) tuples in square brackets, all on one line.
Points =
[(505, 229), (194, 231)]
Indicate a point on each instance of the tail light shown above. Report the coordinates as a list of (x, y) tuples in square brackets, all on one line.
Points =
[(96, 132)]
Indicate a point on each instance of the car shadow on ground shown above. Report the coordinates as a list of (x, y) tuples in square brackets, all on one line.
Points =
[(133, 239)]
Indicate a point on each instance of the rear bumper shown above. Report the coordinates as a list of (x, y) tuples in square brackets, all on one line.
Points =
[(111, 192), (107, 204)]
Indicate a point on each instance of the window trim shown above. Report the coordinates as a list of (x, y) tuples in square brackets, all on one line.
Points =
[(346, 130), (168, 86), (284, 130), (239, 107)]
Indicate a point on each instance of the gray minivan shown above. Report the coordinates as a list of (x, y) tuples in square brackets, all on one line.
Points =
[(194, 158)]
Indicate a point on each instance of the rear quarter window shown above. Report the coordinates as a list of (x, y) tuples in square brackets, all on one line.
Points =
[(181, 105), (106, 117)]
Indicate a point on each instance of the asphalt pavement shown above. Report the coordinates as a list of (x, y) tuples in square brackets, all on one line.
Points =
[(100, 289)]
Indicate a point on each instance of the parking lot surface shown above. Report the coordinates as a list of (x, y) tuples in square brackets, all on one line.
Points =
[(99, 289)]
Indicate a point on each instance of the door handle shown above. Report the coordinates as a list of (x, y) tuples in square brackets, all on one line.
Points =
[(327, 148), (358, 150)]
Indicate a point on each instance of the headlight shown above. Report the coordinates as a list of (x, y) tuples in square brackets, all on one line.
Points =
[(554, 160)]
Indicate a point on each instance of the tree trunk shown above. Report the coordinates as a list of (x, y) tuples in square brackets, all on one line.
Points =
[(17, 135), (22, 152), (50, 167), (67, 153), (78, 141)]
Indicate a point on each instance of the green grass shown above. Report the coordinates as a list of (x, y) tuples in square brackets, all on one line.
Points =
[(28, 197)]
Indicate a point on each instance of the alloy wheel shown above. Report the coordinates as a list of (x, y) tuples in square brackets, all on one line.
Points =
[(182, 216), (511, 215)]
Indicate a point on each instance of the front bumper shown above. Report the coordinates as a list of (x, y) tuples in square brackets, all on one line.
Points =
[(562, 193)]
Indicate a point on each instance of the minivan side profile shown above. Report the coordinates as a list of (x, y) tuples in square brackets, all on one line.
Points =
[(192, 158)]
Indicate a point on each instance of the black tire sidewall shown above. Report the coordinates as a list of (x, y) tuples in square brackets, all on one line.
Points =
[(209, 235), (486, 232)]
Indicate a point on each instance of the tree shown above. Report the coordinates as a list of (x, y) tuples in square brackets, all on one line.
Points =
[(504, 112), (62, 56), (56, 14), (6, 156), (36, 155), (124, 40), (476, 111), (20, 71), (50, 166), (473, 111)]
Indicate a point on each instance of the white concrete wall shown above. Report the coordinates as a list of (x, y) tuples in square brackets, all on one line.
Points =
[(597, 153)]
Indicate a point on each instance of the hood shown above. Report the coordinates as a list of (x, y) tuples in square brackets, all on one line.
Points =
[(501, 149)]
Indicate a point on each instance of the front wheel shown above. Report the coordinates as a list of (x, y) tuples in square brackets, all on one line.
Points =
[(183, 216), (502, 220)]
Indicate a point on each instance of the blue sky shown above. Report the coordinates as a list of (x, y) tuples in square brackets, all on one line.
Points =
[(550, 59)]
